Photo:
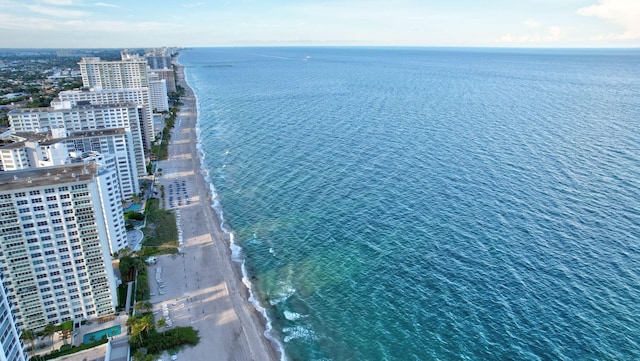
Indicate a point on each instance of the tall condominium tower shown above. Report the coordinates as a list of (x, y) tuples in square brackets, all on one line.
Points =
[(158, 60), (86, 117), (104, 74), (158, 93), (129, 73), (11, 348), (34, 150), (56, 226), (109, 142), (140, 96)]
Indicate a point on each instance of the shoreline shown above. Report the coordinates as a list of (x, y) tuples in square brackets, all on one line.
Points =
[(230, 326)]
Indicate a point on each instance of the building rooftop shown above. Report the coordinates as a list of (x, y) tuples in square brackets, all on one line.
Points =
[(79, 105), (97, 133), (12, 145), (38, 177), (18, 139)]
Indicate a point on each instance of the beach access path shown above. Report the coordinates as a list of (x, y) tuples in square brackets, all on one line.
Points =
[(202, 285)]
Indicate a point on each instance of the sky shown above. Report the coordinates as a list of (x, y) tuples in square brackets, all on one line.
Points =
[(474, 23)]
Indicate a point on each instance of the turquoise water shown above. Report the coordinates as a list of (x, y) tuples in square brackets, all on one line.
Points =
[(97, 335), (431, 204), (133, 207)]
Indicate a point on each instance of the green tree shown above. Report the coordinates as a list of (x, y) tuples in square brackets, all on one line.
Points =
[(49, 331), (162, 324), (145, 306), (29, 336)]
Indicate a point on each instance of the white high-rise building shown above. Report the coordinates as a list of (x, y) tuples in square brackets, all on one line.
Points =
[(33, 150), (11, 347), (160, 65), (158, 94), (110, 142), (55, 232), (140, 96), (129, 73), (168, 75), (15, 156), (84, 117), (106, 74), (158, 60)]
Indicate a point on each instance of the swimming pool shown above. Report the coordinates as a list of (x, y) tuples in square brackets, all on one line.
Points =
[(133, 207), (95, 336)]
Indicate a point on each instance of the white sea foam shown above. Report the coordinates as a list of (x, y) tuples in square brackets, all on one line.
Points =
[(286, 292), (236, 251), (298, 332), (292, 316)]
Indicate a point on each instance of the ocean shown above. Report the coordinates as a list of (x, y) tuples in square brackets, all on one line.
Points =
[(430, 204)]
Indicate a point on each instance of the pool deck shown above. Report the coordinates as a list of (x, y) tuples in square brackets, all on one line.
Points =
[(95, 325)]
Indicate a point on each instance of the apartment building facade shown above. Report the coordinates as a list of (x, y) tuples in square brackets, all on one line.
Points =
[(65, 119), (56, 226), (129, 73), (11, 347)]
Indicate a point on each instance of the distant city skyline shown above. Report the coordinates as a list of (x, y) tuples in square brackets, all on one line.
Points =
[(490, 23)]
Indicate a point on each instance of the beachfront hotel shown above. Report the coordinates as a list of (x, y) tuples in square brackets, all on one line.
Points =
[(58, 226)]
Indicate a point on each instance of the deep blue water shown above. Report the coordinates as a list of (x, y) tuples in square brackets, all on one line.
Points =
[(431, 204)]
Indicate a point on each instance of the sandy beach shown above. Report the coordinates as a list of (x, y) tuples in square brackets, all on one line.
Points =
[(202, 285)]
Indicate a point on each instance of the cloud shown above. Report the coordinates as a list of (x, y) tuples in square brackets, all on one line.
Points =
[(532, 23), (625, 13), (107, 5), (553, 34), (70, 26), (58, 12), (59, 2)]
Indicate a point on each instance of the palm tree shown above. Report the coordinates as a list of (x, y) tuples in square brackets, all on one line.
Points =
[(29, 336), (142, 325), (145, 306), (49, 330), (146, 323), (136, 330), (162, 324)]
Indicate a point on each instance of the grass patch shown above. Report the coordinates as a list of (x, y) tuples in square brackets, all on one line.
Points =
[(155, 342), (161, 232), (161, 151)]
